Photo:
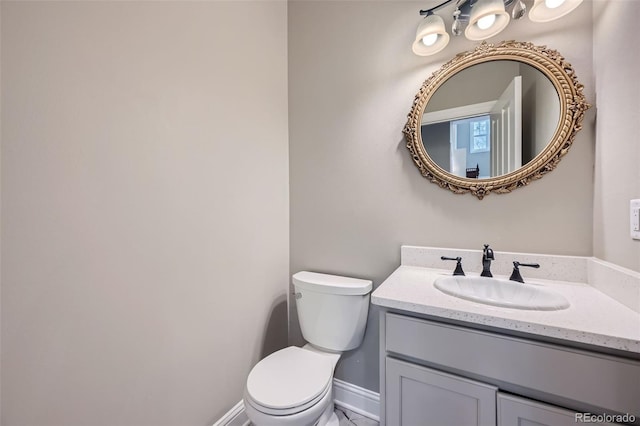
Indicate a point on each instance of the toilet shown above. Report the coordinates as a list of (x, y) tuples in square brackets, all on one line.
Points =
[(293, 386)]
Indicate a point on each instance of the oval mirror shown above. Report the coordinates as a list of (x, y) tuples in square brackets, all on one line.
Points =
[(496, 118)]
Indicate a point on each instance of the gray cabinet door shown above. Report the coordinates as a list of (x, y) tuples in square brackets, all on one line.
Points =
[(513, 410), (420, 396)]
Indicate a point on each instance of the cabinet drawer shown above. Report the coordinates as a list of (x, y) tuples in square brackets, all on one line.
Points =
[(513, 410), (597, 380)]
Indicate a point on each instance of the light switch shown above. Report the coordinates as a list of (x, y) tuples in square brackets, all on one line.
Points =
[(634, 213)]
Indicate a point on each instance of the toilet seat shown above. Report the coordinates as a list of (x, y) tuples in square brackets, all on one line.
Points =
[(302, 378), (288, 411)]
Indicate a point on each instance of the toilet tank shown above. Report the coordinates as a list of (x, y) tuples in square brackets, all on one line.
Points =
[(332, 310)]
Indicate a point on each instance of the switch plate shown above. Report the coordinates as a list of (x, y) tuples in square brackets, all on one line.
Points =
[(634, 213)]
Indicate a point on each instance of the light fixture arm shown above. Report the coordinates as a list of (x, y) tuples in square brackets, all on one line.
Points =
[(441, 5)]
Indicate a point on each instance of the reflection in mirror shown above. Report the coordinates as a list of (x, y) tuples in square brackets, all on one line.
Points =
[(490, 119), (524, 91)]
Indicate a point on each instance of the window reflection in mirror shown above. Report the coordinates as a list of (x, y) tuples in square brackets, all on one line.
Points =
[(461, 146), (490, 119)]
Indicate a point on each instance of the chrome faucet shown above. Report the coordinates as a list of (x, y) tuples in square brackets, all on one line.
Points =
[(487, 257)]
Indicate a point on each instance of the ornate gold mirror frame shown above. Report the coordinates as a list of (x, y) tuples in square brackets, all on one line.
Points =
[(572, 108)]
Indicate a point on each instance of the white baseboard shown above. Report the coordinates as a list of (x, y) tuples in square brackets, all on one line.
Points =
[(346, 395), (357, 399), (234, 417)]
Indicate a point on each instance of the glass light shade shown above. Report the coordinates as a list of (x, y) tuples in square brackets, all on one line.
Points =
[(482, 10), (430, 25), (541, 11)]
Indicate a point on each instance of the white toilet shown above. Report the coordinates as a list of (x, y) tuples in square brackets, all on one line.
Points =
[(293, 386)]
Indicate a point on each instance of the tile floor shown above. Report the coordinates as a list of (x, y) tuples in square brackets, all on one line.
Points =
[(349, 418)]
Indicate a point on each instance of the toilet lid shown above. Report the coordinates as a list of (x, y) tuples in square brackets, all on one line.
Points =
[(289, 378)]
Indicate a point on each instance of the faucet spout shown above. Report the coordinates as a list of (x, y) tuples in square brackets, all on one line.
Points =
[(487, 257)]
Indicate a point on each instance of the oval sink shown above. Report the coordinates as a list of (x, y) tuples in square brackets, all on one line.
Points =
[(498, 292)]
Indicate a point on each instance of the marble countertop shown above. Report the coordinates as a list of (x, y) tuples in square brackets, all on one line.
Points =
[(593, 317)]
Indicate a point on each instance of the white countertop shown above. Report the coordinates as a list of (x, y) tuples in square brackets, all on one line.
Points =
[(593, 317)]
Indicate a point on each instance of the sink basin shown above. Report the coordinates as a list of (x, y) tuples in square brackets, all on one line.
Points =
[(498, 292)]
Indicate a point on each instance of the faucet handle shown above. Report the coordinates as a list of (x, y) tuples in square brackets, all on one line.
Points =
[(515, 275), (458, 270), (487, 252)]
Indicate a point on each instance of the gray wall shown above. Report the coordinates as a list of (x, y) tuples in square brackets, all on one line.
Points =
[(547, 110), (144, 208), (479, 83), (541, 107), (356, 195), (0, 213), (616, 60), (437, 141)]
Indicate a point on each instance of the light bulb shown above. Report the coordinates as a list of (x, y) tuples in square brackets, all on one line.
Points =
[(486, 21), (552, 4), (430, 39)]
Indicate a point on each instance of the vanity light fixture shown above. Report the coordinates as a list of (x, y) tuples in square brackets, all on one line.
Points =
[(548, 10), (483, 19)]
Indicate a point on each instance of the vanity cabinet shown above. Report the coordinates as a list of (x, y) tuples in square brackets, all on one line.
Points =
[(433, 373)]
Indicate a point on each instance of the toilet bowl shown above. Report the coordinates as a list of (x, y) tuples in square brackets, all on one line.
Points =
[(293, 386)]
